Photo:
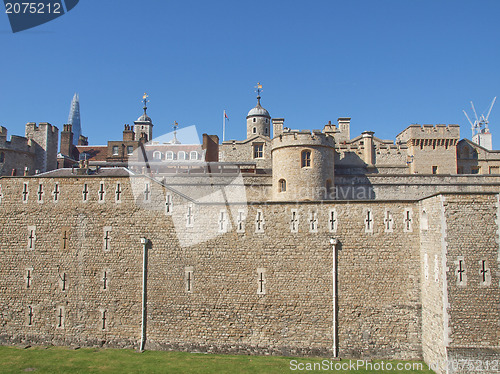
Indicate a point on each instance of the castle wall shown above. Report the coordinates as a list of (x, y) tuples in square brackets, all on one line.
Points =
[(16, 154), (460, 312), (472, 237), (409, 186), (432, 248), (398, 295), (378, 273)]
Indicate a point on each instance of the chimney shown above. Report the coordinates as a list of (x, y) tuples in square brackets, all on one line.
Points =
[(211, 147), (344, 127), (128, 134), (278, 126), (66, 141), (368, 147)]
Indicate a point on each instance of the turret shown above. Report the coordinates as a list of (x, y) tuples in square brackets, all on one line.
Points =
[(46, 139), (303, 166), (258, 121), (144, 125), (431, 149)]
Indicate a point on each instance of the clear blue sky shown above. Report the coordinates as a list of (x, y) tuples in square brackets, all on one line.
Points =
[(386, 63)]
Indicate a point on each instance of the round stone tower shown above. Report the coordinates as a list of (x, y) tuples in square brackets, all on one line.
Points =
[(303, 166), (258, 121)]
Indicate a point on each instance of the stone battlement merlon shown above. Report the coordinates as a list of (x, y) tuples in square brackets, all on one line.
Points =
[(32, 126), (16, 143)]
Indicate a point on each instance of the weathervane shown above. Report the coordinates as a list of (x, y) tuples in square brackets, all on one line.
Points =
[(258, 90), (145, 100), (175, 125)]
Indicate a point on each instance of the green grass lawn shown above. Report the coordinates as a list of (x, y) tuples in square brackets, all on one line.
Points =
[(63, 360)]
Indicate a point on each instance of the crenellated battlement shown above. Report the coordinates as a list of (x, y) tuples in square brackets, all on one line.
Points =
[(16, 143), (42, 126), (429, 132), (303, 138)]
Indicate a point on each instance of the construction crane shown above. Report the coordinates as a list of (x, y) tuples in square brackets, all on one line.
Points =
[(480, 125)]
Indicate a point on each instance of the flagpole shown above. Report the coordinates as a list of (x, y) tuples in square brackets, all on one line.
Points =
[(224, 126)]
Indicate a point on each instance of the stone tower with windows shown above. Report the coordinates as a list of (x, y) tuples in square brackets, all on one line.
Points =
[(144, 125), (303, 165), (45, 139), (431, 149), (258, 121)]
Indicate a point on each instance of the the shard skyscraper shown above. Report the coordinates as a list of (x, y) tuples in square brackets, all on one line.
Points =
[(74, 118)]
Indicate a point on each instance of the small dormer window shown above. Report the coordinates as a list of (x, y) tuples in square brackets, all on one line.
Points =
[(254, 130), (115, 150), (254, 119)]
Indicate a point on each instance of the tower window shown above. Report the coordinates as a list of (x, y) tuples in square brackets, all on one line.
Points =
[(306, 159), (115, 150), (254, 119), (267, 120), (282, 185), (266, 131), (258, 151), (254, 130), (2, 157), (434, 170)]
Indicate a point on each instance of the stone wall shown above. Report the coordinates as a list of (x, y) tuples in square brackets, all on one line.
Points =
[(431, 149), (45, 139), (16, 154), (473, 281), (243, 151), (433, 247), (256, 278), (378, 277), (460, 331), (410, 186)]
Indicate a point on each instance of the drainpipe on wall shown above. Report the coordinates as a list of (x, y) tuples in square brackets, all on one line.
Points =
[(334, 242), (144, 243)]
